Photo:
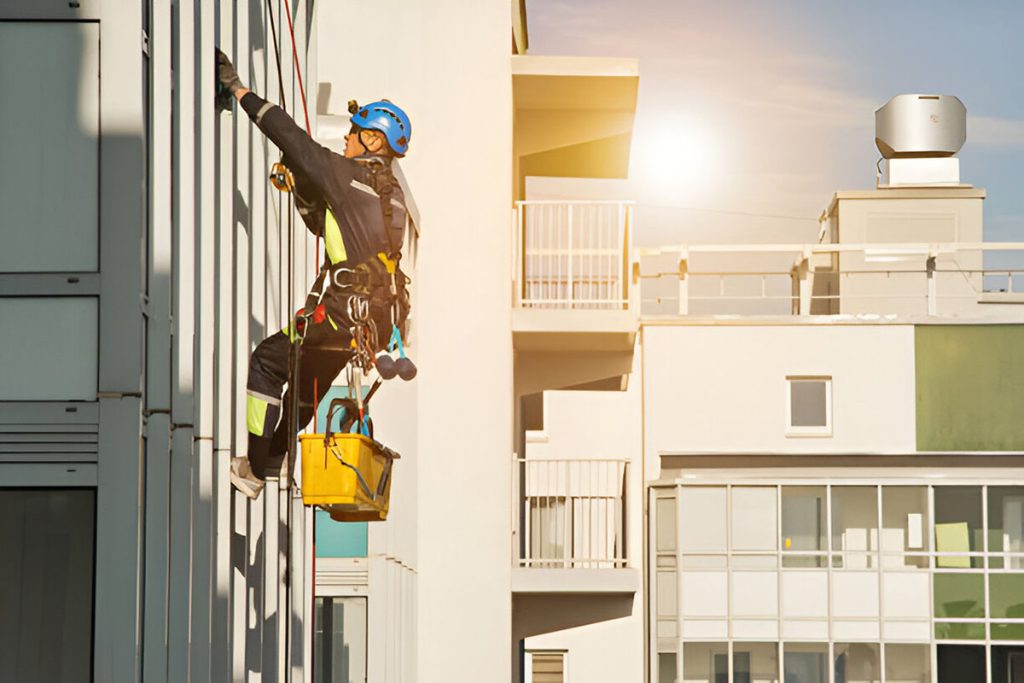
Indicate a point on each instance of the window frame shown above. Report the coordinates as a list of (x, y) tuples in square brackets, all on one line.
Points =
[(792, 431)]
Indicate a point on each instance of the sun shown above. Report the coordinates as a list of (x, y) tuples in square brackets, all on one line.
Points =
[(674, 157)]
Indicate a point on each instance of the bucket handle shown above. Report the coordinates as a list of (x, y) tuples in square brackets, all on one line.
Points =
[(359, 476)]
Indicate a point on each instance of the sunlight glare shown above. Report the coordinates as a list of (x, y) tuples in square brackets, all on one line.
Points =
[(674, 158)]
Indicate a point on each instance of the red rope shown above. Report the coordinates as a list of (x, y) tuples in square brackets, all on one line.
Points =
[(305, 109), (298, 71)]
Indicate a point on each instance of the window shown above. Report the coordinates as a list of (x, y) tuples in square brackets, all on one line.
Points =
[(904, 522), (666, 667), (957, 663), (705, 662), (46, 583), (856, 663), (805, 663), (958, 531), (339, 640), (803, 526), (60, 361), (809, 406), (909, 663), (854, 526), (1006, 526), (51, 136), (547, 667)]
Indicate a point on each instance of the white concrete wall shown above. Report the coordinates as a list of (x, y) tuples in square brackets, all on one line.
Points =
[(918, 220), (589, 425), (447, 64), (596, 425), (722, 388), (600, 653)]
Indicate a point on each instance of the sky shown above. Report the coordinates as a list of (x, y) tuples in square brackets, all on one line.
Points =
[(752, 114)]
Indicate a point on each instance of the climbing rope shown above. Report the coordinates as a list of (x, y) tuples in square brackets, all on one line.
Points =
[(280, 177)]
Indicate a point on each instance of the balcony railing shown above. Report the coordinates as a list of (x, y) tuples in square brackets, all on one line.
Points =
[(569, 513), (572, 254), (812, 279)]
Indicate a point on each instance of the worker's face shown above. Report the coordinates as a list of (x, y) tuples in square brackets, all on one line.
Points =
[(359, 142)]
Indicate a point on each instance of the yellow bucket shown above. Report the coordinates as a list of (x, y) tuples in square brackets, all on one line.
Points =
[(350, 474)]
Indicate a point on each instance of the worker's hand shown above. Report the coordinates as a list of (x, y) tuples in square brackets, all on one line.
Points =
[(226, 74)]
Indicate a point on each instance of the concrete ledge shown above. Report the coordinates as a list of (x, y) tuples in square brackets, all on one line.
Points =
[(551, 329), (575, 581)]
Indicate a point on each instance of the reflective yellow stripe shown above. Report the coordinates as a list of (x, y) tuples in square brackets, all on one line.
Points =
[(333, 242), (255, 414), (333, 324)]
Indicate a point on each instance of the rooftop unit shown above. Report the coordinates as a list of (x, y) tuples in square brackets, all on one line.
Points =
[(919, 136)]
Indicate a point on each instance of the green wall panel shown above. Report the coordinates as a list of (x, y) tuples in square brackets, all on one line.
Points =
[(970, 387)]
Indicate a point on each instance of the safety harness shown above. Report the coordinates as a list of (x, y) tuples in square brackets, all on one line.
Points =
[(379, 280)]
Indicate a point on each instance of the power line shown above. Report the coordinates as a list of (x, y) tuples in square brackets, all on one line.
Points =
[(727, 212)]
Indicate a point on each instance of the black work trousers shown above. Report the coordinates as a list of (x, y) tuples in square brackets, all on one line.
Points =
[(324, 353)]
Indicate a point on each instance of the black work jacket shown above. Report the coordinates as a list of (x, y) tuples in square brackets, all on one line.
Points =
[(327, 180)]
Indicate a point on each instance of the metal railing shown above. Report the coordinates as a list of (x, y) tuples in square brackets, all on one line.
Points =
[(569, 513), (812, 279), (572, 254)]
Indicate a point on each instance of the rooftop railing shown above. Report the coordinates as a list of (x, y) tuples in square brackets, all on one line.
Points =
[(822, 279), (572, 254), (569, 513)]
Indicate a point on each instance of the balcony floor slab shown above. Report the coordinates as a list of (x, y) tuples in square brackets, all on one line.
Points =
[(565, 581)]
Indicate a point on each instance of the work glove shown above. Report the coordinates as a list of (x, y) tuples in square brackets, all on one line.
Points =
[(227, 77)]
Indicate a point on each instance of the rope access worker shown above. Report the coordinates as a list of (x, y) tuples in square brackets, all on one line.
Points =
[(353, 201)]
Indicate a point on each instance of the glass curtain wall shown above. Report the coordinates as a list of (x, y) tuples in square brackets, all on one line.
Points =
[(862, 582)]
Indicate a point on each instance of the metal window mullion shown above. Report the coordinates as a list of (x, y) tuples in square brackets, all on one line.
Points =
[(679, 583), (932, 566), (986, 611), (830, 581), (878, 561)]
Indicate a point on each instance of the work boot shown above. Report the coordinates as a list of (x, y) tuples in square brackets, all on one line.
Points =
[(243, 478)]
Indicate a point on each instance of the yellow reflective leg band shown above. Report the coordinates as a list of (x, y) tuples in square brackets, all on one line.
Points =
[(334, 244), (255, 414)]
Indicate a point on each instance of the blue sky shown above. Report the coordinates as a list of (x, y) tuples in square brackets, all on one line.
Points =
[(777, 100)]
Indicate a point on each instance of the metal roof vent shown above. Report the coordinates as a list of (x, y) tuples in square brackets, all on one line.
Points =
[(920, 126)]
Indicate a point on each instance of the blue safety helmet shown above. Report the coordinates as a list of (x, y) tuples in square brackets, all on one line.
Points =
[(388, 119)]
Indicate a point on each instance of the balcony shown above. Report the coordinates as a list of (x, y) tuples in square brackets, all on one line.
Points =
[(860, 280), (570, 525)]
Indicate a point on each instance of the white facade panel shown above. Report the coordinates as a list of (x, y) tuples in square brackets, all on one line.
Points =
[(854, 594), (805, 630), (907, 595), (755, 629), (49, 134), (805, 594), (907, 631), (755, 594), (706, 629), (703, 518), (705, 594), (50, 348), (854, 631), (722, 388)]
